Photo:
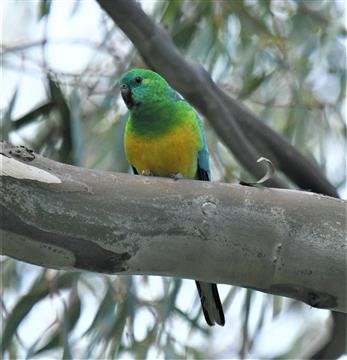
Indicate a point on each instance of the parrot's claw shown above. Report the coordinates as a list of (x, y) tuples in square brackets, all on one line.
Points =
[(177, 176), (146, 173)]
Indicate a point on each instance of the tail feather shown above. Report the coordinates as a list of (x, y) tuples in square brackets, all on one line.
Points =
[(211, 304)]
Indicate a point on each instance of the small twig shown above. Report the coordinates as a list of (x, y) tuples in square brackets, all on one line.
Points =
[(270, 172)]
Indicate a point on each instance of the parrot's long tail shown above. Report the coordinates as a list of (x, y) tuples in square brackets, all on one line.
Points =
[(211, 305)]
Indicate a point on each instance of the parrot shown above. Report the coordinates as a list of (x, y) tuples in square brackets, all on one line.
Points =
[(164, 137)]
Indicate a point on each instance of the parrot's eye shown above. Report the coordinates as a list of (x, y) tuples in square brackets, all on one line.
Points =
[(138, 79)]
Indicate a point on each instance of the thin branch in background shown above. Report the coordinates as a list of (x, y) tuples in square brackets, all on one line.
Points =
[(5, 49), (3, 305), (253, 99)]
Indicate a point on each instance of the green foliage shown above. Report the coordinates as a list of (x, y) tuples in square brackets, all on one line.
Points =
[(40, 289), (59, 338), (284, 59), (45, 6)]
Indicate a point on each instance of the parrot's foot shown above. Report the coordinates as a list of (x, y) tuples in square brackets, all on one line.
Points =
[(146, 173), (177, 176)]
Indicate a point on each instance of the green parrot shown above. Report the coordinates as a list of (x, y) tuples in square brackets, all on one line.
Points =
[(164, 137)]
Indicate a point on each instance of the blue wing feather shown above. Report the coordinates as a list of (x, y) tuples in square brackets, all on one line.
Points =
[(204, 170)]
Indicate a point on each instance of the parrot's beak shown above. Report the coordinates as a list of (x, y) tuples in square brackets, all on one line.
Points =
[(127, 96)]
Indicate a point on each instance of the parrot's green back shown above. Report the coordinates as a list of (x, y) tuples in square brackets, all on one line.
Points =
[(164, 137)]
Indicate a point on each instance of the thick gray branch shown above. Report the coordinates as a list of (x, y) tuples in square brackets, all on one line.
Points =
[(242, 131), (282, 242)]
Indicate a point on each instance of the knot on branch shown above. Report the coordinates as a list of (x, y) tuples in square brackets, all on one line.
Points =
[(20, 152), (321, 300), (208, 208), (314, 298)]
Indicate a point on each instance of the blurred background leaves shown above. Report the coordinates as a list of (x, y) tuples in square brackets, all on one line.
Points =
[(286, 60)]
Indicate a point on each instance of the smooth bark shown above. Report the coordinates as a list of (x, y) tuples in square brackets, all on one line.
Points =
[(284, 242)]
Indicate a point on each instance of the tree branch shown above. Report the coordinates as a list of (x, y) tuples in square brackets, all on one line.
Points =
[(242, 131), (282, 242)]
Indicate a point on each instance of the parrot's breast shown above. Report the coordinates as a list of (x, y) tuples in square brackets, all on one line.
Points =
[(166, 154)]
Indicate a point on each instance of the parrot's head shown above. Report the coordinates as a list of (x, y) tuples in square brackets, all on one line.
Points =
[(140, 87)]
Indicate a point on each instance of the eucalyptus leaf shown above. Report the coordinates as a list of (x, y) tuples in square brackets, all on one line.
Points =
[(58, 98), (41, 110), (6, 120), (70, 317), (45, 7)]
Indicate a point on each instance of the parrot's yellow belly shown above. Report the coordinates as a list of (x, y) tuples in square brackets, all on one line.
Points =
[(165, 155)]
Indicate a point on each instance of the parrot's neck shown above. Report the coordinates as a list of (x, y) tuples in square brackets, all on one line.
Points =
[(154, 119)]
